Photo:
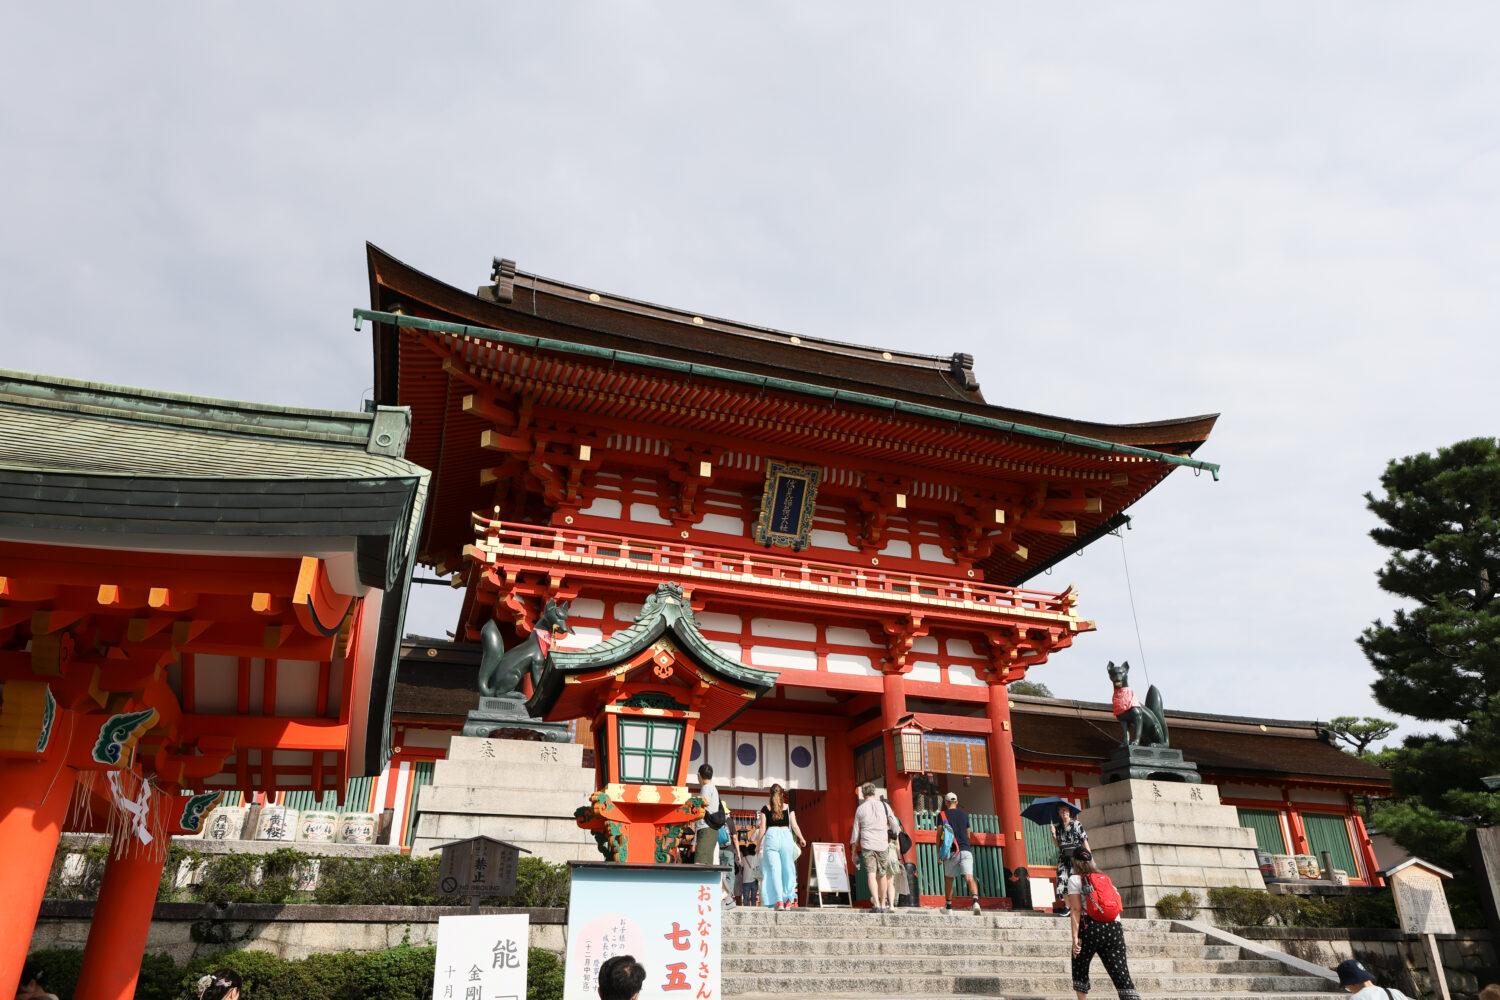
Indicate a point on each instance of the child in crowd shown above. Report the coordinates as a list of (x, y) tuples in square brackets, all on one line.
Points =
[(750, 878)]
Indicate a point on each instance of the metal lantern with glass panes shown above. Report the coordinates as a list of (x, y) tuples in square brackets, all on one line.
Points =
[(648, 690)]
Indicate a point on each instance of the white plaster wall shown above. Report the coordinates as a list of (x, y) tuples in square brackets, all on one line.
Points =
[(296, 687), (723, 524), (963, 674), (926, 644), (1319, 796), (1028, 776), (773, 628), (851, 663), (931, 552), (781, 658), (603, 507), (899, 547), (625, 613), (925, 670), (850, 637), (824, 538), (646, 513), (717, 621), (586, 607), (964, 647)]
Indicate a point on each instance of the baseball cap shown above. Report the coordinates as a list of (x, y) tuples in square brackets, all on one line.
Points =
[(951, 797), (1352, 973)]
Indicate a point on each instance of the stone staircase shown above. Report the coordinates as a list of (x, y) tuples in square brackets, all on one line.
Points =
[(925, 953)]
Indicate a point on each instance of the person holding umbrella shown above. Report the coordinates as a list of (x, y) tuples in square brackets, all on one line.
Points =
[(1067, 833)]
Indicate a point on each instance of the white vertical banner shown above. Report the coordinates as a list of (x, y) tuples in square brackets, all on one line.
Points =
[(482, 957), (802, 769), (820, 750), (720, 758), (773, 763)]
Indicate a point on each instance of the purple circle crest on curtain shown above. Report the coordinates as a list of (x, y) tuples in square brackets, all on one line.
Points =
[(745, 754), (801, 757), (697, 751)]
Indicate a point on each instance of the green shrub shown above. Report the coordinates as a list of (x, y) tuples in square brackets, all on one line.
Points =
[(254, 878), (1253, 908), (384, 880), (401, 973), (1236, 907), (544, 975), (539, 883), (62, 966), (1179, 906)]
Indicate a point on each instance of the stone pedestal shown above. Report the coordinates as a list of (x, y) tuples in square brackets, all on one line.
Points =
[(520, 791), (1157, 838), (506, 717)]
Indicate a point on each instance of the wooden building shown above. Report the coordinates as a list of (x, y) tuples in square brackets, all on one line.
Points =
[(197, 596)]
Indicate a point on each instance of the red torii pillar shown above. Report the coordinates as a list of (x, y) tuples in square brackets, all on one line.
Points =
[(34, 797), (892, 708), (122, 915), (1004, 786)]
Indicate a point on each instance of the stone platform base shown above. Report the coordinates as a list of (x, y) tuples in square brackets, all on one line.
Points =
[(1157, 838), (520, 791)]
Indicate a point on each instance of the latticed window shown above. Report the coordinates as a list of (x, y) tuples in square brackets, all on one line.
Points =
[(649, 751), (1328, 832), (1267, 826)]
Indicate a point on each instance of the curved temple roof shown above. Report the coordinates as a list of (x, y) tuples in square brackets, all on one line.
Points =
[(666, 614)]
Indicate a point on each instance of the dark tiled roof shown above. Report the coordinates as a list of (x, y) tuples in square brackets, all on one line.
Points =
[(544, 307), (1241, 750)]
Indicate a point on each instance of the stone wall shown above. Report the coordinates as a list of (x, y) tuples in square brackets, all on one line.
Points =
[(189, 930), (1469, 959)]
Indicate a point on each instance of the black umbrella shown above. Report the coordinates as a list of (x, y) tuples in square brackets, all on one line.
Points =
[(1044, 811)]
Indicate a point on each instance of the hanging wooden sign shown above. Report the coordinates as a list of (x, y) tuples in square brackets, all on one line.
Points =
[(786, 509)]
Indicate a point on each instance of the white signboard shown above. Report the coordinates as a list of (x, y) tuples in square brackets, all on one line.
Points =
[(832, 867), (482, 957), (1421, 904), (669, 917)]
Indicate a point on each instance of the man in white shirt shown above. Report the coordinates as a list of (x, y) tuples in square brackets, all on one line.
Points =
[(706, 846), (871, 837), (1355, 978)]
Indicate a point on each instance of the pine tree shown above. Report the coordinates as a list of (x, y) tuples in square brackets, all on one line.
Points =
[(1439, 658)]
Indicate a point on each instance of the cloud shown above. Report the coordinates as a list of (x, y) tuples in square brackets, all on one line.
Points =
[(1282, 212)]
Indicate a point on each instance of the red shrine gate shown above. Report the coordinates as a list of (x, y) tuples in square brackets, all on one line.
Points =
[(196, 596), (860, 520)]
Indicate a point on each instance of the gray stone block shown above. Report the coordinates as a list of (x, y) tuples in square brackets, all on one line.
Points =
[(511, 752)]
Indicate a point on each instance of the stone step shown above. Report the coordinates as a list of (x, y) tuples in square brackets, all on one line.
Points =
[(1012, 986), (1001, 965), (1068, 994), (972, 946), (805, 917)]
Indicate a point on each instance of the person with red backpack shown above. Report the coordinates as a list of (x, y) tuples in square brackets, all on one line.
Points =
[(1094, 911)]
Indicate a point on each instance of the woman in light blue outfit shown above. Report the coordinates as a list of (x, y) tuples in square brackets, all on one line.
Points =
[(777, 834)]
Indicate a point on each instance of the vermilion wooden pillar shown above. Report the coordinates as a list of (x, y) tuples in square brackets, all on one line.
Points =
[(122, 917), (839, 780), (1003, 784), (897, 785), (34, 799)]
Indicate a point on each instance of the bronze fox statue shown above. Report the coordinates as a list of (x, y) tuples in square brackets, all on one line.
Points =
[(1141, 724), (501, 669)]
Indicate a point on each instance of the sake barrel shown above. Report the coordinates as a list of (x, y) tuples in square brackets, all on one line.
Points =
[(277, 823), (1285, 866), (317, 826), (225, 823), (1307, 866), (358, 828)]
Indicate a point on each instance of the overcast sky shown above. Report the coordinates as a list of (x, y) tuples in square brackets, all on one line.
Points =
[(1285, 213)]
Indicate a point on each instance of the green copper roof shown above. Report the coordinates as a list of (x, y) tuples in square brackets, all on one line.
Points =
[(666, 612), (51, 424)]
